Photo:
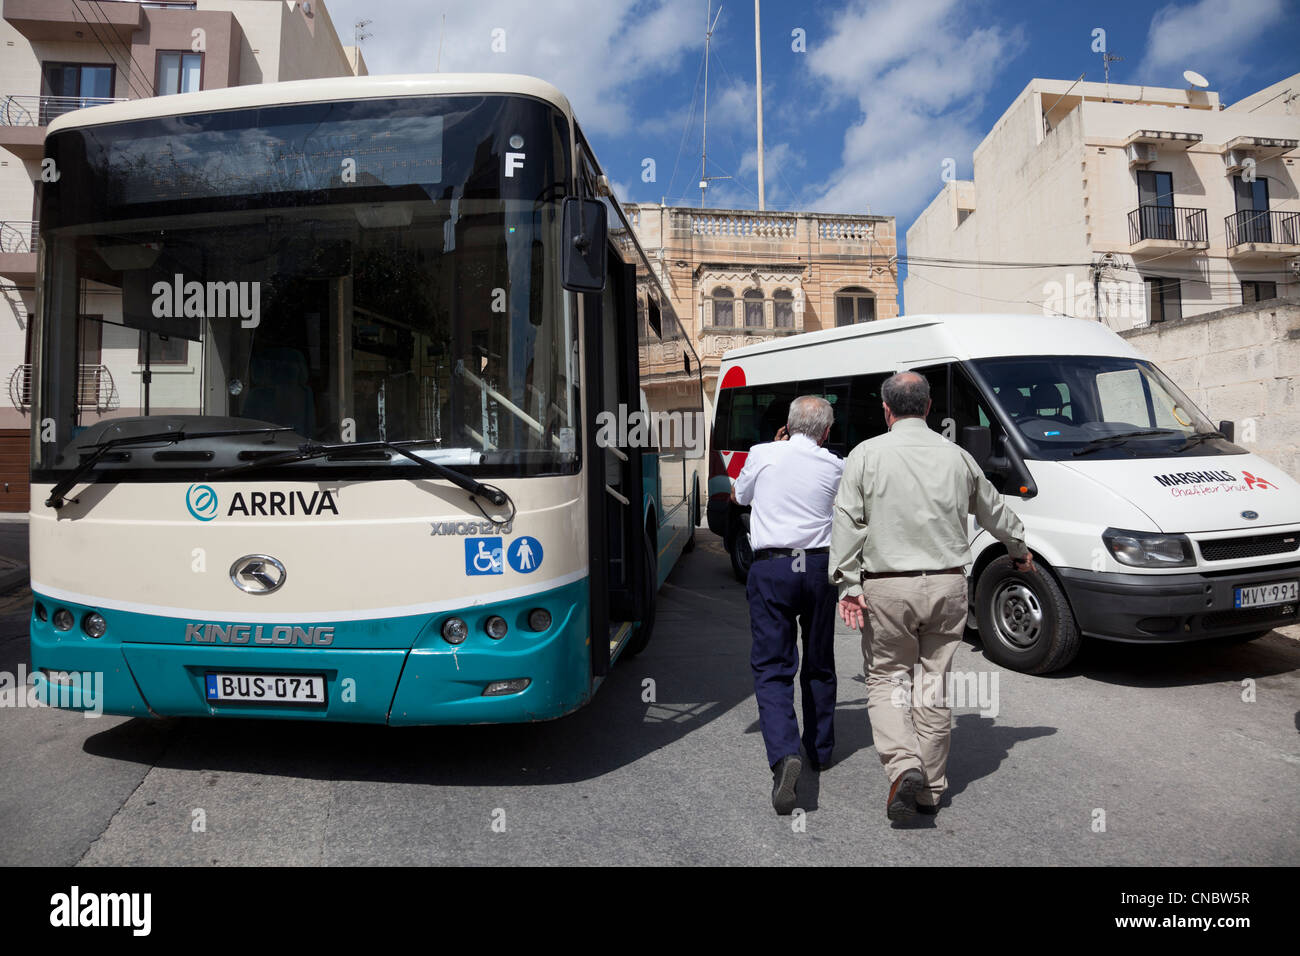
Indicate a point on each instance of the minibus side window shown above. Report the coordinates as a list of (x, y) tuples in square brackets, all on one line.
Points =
[(940, 415), (968, 408)]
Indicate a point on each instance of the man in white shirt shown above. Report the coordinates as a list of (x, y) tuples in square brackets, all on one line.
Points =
[(791, 487)]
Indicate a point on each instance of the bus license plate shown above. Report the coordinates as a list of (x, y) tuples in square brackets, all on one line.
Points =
[(1263, 595), (267, 688)]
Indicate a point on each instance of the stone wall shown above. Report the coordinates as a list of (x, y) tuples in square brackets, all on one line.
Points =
[(1241, 364)]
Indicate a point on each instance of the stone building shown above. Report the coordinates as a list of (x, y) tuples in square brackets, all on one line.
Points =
[(736, 277), (61, 55), (1131, 204)]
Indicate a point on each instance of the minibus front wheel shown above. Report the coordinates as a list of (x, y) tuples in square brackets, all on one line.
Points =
[(1025, 621)]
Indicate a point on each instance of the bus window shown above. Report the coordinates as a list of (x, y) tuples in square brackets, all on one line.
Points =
[(863, 414), (940, 417), (751, 415)]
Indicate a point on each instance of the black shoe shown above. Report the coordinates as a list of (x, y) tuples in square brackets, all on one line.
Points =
[(902, 795), (928, 809), (785, 775)]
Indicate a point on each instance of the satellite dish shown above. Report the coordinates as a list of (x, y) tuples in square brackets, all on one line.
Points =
[(1195, 79)]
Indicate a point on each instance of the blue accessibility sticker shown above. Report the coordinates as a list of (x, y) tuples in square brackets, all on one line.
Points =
[(483, 556), (525, 554)]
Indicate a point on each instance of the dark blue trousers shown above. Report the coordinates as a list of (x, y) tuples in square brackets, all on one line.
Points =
[(788, 596)]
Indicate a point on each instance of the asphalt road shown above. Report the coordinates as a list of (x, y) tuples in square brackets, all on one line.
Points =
[(1159, 739)]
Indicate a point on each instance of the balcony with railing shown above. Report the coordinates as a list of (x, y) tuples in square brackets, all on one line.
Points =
[(95, 387), (1267, 233), (18, 241), (1167, 229), (23, 119)]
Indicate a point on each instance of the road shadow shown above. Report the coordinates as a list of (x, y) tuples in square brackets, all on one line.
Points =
[(698, 659)]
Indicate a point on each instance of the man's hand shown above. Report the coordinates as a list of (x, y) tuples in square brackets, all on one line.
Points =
[(782, 434), (1025, 565), (851, 609)]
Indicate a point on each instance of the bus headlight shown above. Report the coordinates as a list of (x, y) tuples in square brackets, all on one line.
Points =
[(539, 619), (1144, 549), (454, 630), (41, 615), (496, 627), (94, 625), (63, 620)]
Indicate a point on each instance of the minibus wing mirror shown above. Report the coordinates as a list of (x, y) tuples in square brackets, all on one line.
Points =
[(1228, 429), (585, 227), (978, 442)]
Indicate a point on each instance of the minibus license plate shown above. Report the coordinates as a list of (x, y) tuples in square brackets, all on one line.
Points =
[(267, 688), (1262, 595)]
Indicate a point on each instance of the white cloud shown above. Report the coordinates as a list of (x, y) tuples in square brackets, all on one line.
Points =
[(918, 72), (598, 53), (1213, 37)]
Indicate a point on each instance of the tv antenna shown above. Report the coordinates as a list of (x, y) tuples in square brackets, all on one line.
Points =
[(358, 34), (1106, 60), (705, 178)]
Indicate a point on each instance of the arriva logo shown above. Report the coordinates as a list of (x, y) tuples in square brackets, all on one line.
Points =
[(202, 502)]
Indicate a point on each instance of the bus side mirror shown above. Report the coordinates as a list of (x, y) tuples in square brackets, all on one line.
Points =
[(1229, 430), (585, 227), (978, 443)]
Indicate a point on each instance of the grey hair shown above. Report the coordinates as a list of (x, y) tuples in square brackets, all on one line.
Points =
[(907, 394), (810, 415)]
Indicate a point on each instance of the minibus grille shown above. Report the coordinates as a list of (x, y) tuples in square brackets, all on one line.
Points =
[(1228, 549)]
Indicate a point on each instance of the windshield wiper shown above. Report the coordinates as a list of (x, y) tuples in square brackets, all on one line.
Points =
[(1097, 444), (1198, 437), (58, 494), (311, 450)]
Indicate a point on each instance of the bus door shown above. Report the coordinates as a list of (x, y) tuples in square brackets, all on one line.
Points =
[(617, 539)]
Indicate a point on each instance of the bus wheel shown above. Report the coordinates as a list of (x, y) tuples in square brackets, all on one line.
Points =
[(1025, 621), (742, 555), (641, 636), (692, 516)]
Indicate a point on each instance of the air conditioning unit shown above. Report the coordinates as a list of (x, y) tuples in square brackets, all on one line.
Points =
[(1141, 154), (1234, 161)]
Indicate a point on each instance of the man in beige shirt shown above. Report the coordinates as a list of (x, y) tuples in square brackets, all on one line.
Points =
[(898, 548)]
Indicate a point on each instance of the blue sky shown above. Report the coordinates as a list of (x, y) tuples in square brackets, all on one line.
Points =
[(861, 120)]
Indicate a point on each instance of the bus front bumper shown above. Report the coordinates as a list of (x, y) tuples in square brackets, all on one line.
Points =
[(1172, 608), (427, 681)]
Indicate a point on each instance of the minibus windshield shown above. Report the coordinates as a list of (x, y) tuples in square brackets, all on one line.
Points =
[(1064, 406)]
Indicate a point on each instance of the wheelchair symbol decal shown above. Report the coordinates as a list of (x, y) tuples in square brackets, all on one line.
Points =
[(525, 554), (483, 556)]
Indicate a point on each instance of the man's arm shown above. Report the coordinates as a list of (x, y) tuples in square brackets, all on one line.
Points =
[(994, 516), (849, 520)]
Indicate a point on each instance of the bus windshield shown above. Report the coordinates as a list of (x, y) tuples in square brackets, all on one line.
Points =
[(353, 271), (1067, 406)]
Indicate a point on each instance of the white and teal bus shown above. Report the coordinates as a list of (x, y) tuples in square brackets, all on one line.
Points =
[(337, 455)]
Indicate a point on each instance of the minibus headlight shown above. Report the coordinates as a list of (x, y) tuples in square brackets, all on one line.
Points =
[(41, 614), (496, 627), (94, 625), (539, 619), (1144, 549), (63, 619), (454, 630)]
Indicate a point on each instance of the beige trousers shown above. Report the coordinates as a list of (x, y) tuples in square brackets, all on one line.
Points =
[(911, 621)]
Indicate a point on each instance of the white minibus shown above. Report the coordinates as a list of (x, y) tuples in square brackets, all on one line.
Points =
[(1150, 525)]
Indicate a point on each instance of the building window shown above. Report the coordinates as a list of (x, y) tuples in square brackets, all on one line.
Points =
[(1156, 205), (1164, 300), (854, 305), (783, 309), (754, 309), (70, 85), (179, 72), (163, 349), (1257, 292), (724, 307)]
